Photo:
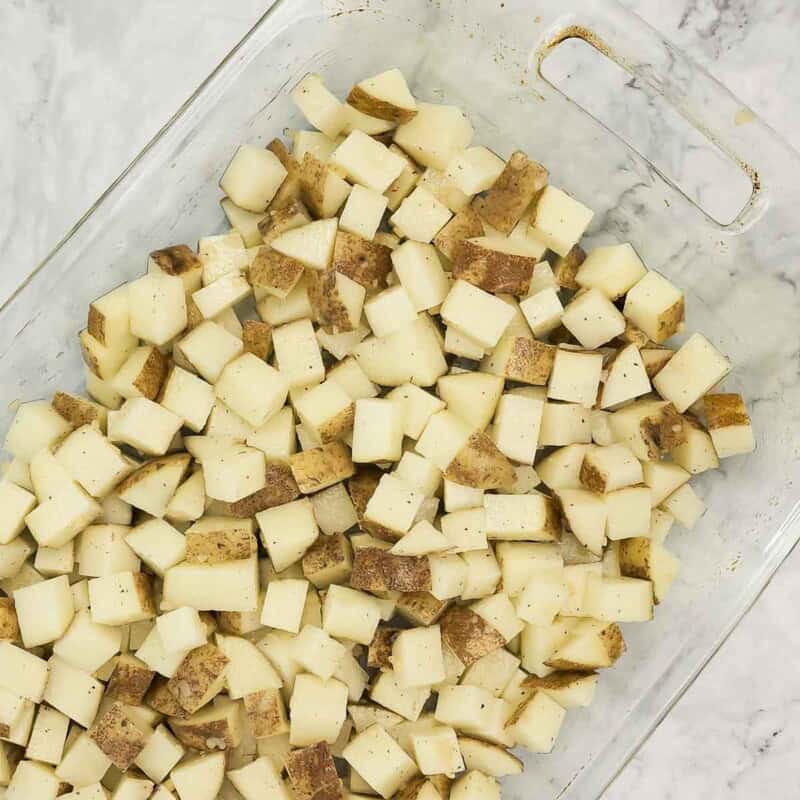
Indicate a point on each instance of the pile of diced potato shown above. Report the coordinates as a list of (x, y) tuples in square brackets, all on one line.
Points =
[(363, 487)]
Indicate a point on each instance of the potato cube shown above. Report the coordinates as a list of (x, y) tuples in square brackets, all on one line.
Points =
[(48, 736), (728, 424), (655, 306), (384, 96), (162, 751), (685, 506), (284, 603), (327, 410), (390, 311), (199, 778), (252, 388), (417, 658), (158, 544), (465, 530), (321, 186), (613, 269), (618, 599), (266, 714), (220, 295), (537, 722), (644, 558), (593, 319), (32, 779), (393, 505), (235, 473), (298, 354), (516, 427), (208, 348), (697, 454), (92, 460), (377, 430), (522, 359), (575, 377), (248, 669), (311, 244), (253, 177), (144, 425), (606, 469), (420, 216), (466, 224), (543, 311), (319, 106), (473, 396), (87, 645), (189, 397), (317, 710), (473, 710), (626, 378), (350, 614), (62, 517), (287, 531), (142, 374), (189, 501), (73, 692), (257, 778), (559, 220), (321, 467), (22, 673), (181, 630), (15, 504), (476, 312), (199, 677), (386, 774), (499, 612), (366, 161), (517, 185), (157, 308), (434, 135), (317, 652), (475, 169), (312, 773), (121, 598), (461, 498), (118, 736), (527, 517), (483, 574), (691, 372), (109, 318), (421, 274), (423, 539), (36, 426), (363, 212)]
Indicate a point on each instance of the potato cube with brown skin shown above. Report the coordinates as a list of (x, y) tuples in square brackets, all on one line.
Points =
[(591, 644), (78, 411), (336, 301), (121, 598), (327, 411), (468, 635), (104, 361), (322, 188), (118, 736), (385, 96), (199, 678), (253, 177), (152, 486), (109, 319), (517, 185), (257, 338), (286, 217), (329, 560), (606, 469), (377, 570), (466, 224), (367, 263), (728, 424), (481, 465), (385, 773), (655, 306), (494, 265), (522, 359), (536, 722), (350, 614), (312, 773), (129, 681), (317, 710), (274, 272), (9, 625), (265, 713), (321, 467)]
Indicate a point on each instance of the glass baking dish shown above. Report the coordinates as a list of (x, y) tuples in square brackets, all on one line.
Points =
[(740, 279)]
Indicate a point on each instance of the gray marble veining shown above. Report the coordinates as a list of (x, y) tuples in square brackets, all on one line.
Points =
[(87, 85)]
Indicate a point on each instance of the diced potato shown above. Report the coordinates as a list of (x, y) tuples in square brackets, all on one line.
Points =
[(386, 774), (521, 358), (628, 512), (253, 177), (73, 692), (287, 531), (317, 710), (121, 598), (384, 96), (322, 188), (390, 311), (685, 506), (516, 427), (473, 396), (626, 378), (417, 657), (311, 244), (15, 504), (559, 219), (421, 274), (260, 776), (319, 106), (613, 269), (592, 319), (200, 777), (472, 310), (298, 354), (655, 306), (420, 216), (536, 723), (157, 308), (728, 424), (586, 514), (350, 614)]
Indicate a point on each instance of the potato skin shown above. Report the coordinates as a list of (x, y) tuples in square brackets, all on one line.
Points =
[(199, 677), (373, 106), (265, 713), (492, 270), (505, 203), (725, 411), (312, 773), (367, 263), (76, 410), (481, 465), (376, 570), (321, 467), (118, 737), (421, 608), (130, 680), (257, 338), (466, 224), (468, 635), (9, 625)]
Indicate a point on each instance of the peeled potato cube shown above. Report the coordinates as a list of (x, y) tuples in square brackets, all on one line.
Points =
[(234, 474), (93, 461), (626, 378), (311, 244), (559, 220), (685, 506), (317, 710), (476, 312), (575, 377), (619, 599), (327, 410), (543, 311), (220, 295), (606, 469), (297, 353), (377, 430), (389, 311), (62, 517), (585, 513), (323, 189), (691, 372), (15, 504), (321, 108), (421, 274), (368, 162), (44, 611), (363, 212), (157, 308), (386, 774), (393, 505), (516, 427), (475, 169), (628, 512), (253, 177), (252, 388), (384, 96), (420, 216), (728, 424), (593, 319), (36, 425), (613, 270), (655, 306), (144, 425), (536, 723), (417, 657)]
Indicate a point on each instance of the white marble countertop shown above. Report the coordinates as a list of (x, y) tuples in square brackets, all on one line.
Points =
[(76, 81)]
